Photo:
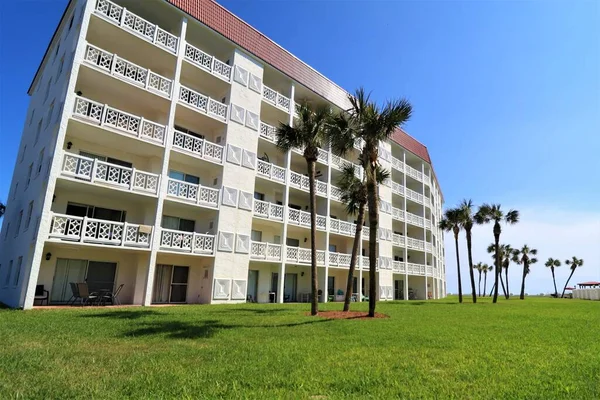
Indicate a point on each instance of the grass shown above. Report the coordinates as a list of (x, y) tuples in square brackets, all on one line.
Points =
[(539, 348)]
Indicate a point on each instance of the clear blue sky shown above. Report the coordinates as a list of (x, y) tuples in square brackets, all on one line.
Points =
[(506, 94)]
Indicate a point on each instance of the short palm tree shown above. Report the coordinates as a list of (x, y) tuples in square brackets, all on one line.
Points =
[(524, 256), (371, 124), (354, 196), (492, 250), (465, 210), (553, 263), (486, 269), (573, 263), (451, 222), (479, 267), (493, 212), (309, 133), (507, 257)]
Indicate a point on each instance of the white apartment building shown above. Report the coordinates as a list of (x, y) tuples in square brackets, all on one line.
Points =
[(147, 160)]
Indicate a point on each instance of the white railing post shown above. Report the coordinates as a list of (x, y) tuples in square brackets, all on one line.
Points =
[(124, 234), (103, 115), (93, 171), (83, 229), (140, 127), (123, 12), (193, 244), (113, 64), (148, 72), (133, 171)]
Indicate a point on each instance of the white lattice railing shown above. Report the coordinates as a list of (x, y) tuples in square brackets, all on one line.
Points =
[(203, 103), (270, 171), (366, 231), (96, 171), (198, 147), (189, 242), (322, 155), (91, 230), (414, 173), (208, 62), (429, 270), (415, 244), (397, 164), (302, 218), (428, 224), (414, 196), (302, 256), (137, 25), (397, 214), (339, 259), (106, 116), (268, 132), (397, 188), (398, 240), (302, 182), (342, 227), (339, 163), (128, 71), (428, 247), (399, 266), (268, 210), (265, 251), (427, 201), (336, 193), (275, 98), (198, 194), (414, 219)]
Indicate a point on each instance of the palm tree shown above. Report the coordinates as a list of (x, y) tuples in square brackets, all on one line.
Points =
[(507, 254), (451, 222), (573, 263), (523, 256), (2, 209), (354, 196), (466, 222), (492, 250), (553, 263), (479, 267), (493, 212), (371, 124), (486, 269), (308, 133)]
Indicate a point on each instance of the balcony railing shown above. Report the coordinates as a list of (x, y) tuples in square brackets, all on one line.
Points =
[(302, 218), (270, 171), (399, 266), (415, 244), (415, 269), (276, 99), (414, 173), (188, 242), (197, 147), (302, 182), (268, 210), (414, 219), (265, 251), (339, 259), (137, 25), (397, 188), (429, 270), (91, 230), (397, 214), (193, 193), (342, 227), (208, 62), (268, 132), (336, 193), (104, 115), (128, 71), (203, 103), (322, 156), (428, 247), (414, 196), (302, 256), (339, 163), (398, 240), (96, 171), (397, 164)]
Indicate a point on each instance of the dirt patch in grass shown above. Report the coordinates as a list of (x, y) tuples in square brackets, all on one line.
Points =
[(348, 315)]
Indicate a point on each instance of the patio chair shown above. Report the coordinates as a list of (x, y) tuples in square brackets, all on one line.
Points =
[(41, 294), (85, 295), (75, 291), (113, 298)]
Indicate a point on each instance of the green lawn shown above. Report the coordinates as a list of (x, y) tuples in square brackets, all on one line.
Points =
[(533, 349)]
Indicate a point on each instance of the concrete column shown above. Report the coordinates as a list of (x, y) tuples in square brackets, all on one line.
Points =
[(404, 209)]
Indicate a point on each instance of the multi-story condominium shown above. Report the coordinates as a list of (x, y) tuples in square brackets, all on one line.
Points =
[(147, 161)]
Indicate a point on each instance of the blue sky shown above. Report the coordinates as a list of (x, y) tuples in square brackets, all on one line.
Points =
[(506, 96)]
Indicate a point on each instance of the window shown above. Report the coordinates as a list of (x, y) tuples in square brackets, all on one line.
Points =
[(18, 271), (19, 220), (292, 242), (259, 196), (333, 248), (189, 132), (84, 210), (16, 190), (28, 219), (47, 89), (8, 273), (40, 162), (178, 224), (49, 114), (23, 153), (31, 116), (256, 236), (39, 130), (182, 176), (29, 175), (7, 229)]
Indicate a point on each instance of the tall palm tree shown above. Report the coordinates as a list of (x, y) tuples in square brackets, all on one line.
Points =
[(371, 124), (308, 133), (479, 267), (492, 250), (573, 263), (465, 210), (507, 256), (493, 212), (524, 256), (553, 263), (354, 196), (486, 269), (450, 222)]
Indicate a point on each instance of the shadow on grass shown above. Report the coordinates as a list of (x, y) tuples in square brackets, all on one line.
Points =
[(122, 314), (263, 311), (430, 303)]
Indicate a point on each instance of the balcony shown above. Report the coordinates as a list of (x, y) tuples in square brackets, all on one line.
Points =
[(98, 231), (103, 173), (138, 26), (208, 63), (203, 104), (414, 196), (429, 270), (342, 227), (415, 269), (415, 219), (399, 266), (322, 156), (413, 173), (268, 132), (398, 240), (192, 193), (397, 164), (265, 251), (301, 182), (128, 71), (302, 218), (264, 209), (397, 189), (276, 99), (336, 193), (270, 171), (120, 121), (339, 259), (397, 214), (415, 244), (298, 255), (186, 242), (196, 147), (339, 163)]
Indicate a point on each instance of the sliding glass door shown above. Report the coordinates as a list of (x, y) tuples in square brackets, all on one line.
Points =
[(170, 284), (100, 276)]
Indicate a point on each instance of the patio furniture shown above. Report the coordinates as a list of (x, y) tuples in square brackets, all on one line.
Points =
[(354, 297), (113, 298), (272, 297), (41, 294), (75, 291), (85, 295)]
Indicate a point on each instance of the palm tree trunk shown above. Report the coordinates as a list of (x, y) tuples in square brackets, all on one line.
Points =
[(567, 283), (554, 280), (357, 239), (507, 292), (502, 285), (479, 284), (492, 291), (471, 273), (314, 308), (460, 296), (484, 283), (525, 266), (373, 200), (497, 272)]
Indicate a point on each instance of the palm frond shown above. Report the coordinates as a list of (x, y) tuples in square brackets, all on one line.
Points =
[(512, 217)]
